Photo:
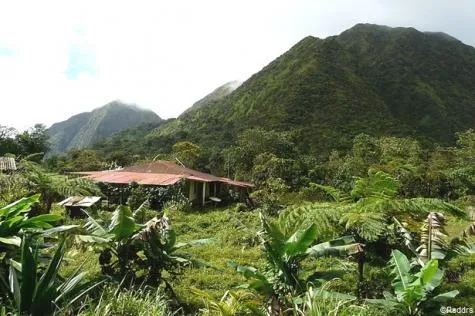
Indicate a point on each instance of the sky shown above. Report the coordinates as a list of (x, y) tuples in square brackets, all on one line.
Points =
[(60, 58)]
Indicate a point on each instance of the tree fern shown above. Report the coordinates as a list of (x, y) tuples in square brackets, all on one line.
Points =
[(53, 186), (325, 216), (375, 206), (420, 207), (334, 193), (367, 224), (377, 184)]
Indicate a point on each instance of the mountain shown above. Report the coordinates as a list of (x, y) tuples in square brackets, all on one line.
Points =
[(216, 95), (84, 129), (370, 78)]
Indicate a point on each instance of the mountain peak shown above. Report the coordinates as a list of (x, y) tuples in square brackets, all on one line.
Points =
[(215, 95), (120, 104), (84, 129), (368, 29)]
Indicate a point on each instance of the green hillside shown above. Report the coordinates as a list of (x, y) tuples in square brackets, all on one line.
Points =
[(316, 98), (85, 129), (370, 78), (217, 94)]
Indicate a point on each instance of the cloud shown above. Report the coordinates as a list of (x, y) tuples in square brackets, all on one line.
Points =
[(64, 57)]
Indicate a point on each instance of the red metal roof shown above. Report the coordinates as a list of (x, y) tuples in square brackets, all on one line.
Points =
[(169, 167), (129, 177), (157, 173)]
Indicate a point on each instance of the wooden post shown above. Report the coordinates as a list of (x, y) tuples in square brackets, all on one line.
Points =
[(216, 189), (190, 189), (204, 193)]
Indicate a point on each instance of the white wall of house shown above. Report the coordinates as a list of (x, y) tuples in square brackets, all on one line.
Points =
[(193, 188), (196, 192)]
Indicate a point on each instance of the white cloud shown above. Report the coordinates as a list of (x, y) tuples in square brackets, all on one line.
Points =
[(167, 55)]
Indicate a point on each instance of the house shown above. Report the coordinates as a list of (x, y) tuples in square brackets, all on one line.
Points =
[(201, 187), (7, 164)]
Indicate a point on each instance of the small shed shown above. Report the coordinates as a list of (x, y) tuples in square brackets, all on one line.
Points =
[(7, 164), (75, 204)]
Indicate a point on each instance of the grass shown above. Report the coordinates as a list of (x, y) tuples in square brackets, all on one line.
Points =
[(234, 235), (140, 302), (316, 305)]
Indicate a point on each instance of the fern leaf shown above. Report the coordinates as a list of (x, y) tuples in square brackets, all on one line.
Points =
[(377, 184), (334, 193)]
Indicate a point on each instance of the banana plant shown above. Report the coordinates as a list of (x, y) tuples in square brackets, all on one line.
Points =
[(434, 240), (15, 221), (282, 280), (34, 293), (15, 217), (413, 291), (127, 247), (158, 242), (118, 254)]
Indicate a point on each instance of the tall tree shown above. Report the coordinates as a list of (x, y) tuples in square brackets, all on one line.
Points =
[(34, 140), (187, 152), (8, 145)]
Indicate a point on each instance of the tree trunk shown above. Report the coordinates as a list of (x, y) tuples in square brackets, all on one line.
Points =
[(275, 308), (361, 259)]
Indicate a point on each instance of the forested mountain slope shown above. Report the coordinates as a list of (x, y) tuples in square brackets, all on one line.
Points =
[(373, 79)]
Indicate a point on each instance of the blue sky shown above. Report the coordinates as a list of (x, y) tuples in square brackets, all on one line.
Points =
[(59, 58), (80, 62), (5, 51)]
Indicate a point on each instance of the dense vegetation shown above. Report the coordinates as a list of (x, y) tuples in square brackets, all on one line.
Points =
[(386, 220), (30, 142), (365, 253)]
